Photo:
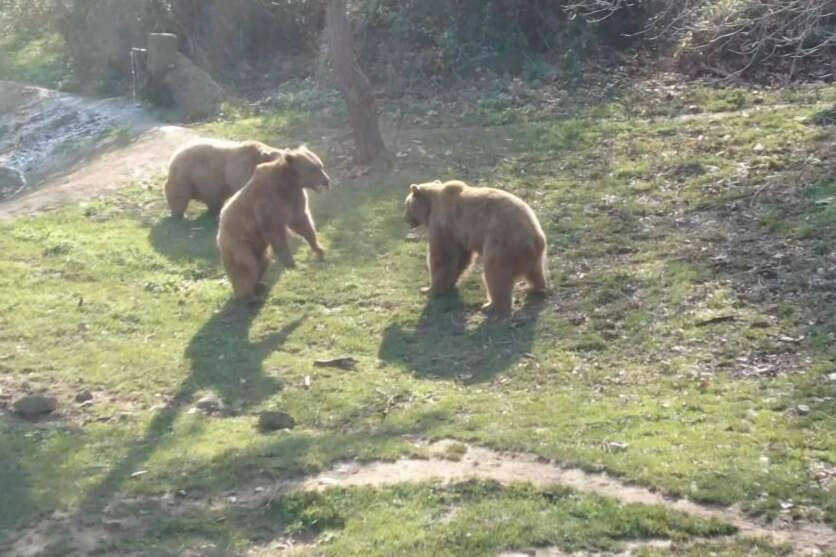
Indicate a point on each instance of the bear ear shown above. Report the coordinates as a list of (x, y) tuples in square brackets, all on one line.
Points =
[(414, 189), (289, 157)]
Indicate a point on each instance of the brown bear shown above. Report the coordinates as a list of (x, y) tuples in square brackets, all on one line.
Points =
[(211, 170), (259, 215), (463, 221)]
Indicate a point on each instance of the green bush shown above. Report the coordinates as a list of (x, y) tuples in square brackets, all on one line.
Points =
[(448, 38), (760, 38), (403, 42)]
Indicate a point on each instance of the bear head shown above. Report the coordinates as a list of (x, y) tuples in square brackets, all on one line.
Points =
[(418, 204), (306, 169)]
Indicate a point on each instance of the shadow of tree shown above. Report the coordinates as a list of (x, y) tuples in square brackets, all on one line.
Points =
[(14, 478), (775, 251), (220, 522), (442, 347), (223, 360)]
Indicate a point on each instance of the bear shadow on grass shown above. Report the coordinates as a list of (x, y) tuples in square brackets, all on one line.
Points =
[(442, 347), (186, 239), (223, 360)]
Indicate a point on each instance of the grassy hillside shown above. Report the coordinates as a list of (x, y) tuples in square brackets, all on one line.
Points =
[(41, 61), (688, 344)]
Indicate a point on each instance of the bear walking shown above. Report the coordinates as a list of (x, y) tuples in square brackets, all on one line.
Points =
[(211, 170), (464, 221), (258, 217)]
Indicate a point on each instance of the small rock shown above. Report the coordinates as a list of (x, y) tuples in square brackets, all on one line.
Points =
[(84, 396), (11, 180), (694, 109), (802, 409), (33, 406), (209, 405), (758, 148), (113, 525), (272, 421), (616, 446)]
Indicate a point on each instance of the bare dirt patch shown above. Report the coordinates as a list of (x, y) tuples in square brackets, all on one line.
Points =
[(485, 464), (143, 159), (62, 532), (477, 463), (630, 549), (58, 148)]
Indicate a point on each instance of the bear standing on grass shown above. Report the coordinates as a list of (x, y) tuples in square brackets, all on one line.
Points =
[(259, 215), (496, 225), (211, 170)]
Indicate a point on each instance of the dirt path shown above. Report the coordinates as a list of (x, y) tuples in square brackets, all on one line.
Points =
[(484, 464), (58, 148), (142, 159), (85, 536)]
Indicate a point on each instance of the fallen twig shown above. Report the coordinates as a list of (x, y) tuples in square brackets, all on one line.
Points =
[(713, 320), (346, 362)]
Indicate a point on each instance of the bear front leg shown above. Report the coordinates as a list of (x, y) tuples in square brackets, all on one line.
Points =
[(278, 242), (304, 226), (444, 270)]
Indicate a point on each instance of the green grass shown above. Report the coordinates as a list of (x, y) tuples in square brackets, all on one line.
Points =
[(472, 518), (41, 61), (477, 519), (654, 231)]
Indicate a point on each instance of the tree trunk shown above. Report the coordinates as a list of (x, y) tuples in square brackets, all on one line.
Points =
[(356, 88)]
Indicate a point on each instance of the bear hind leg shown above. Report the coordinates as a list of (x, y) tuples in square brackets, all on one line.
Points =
[(244, 271), (499, 282), (537, 277), (264, 262), (177, 194), (214, 208)]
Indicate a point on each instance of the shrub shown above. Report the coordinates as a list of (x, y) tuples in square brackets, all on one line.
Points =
[(448, 38), (761, 38)]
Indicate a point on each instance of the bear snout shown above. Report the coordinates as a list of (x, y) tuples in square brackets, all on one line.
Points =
[(325, 184)]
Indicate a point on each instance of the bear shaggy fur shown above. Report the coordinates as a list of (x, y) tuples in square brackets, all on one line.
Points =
[(211, 170), (259, 215), (463, 221)]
